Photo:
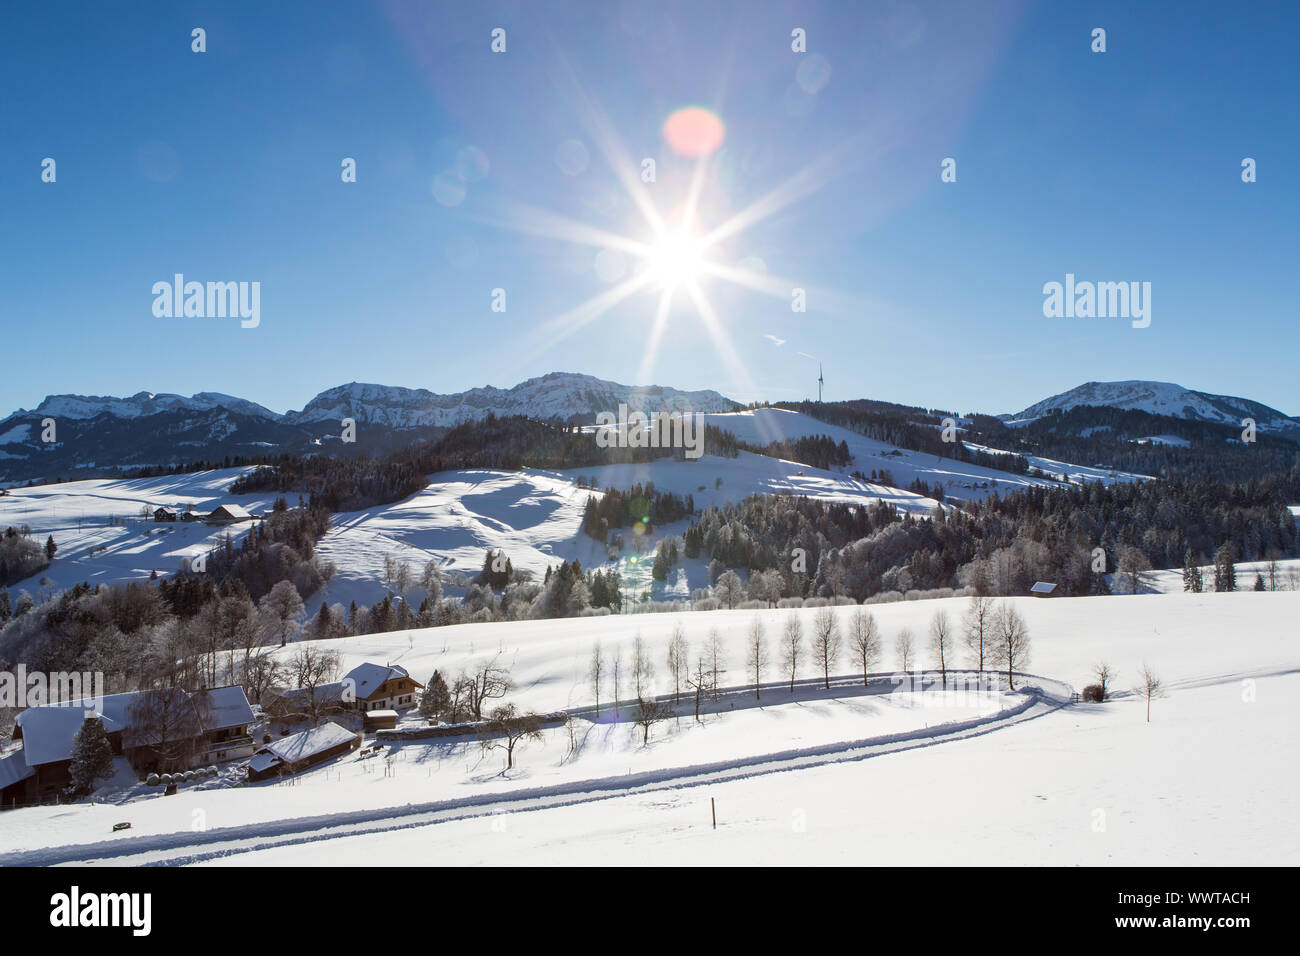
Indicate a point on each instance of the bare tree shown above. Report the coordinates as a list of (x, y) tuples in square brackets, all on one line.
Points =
[(977, 630), (163, 730), (308, 669), (904, 649), (757, 659), (941, 642), (1149, 687), (826, 642), (506, 728), (650, 711), (643, 669), (596, 672), (486, 682), (700, 682), (864, 641), (717, 653), (1012, 648), (791, 646), (1104, 675), (259, 673), (678, 659)]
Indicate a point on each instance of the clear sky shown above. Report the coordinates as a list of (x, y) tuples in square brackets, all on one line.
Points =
[(477, 171)]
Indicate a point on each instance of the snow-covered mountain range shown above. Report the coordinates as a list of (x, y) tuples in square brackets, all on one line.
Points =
[(94, 434), (1164, 398), (559, 395)]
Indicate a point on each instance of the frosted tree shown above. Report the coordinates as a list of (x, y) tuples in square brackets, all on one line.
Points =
[(826, 642), (941, 643), (864, 641), (282, 608), (643, 670), (1011, 652), (904, 649), (678, 659), (596, 673), (717, 654), (756, 659), (977, 630), (730, 589), (791, 647)]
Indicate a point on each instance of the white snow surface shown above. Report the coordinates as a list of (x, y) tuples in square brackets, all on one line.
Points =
[(819, 778)]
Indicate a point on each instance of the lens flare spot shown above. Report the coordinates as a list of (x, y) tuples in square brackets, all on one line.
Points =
[(694, 132)]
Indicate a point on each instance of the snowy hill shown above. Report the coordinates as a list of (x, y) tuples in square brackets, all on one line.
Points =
[(960, 480), (1164, 398), (841, 777)]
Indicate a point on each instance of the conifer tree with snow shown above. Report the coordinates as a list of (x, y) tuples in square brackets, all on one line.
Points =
[(1225, 569), (92, 756), (436, 698)]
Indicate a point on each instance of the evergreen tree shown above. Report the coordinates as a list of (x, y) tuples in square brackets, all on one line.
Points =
[(1259, 582), (436, 698), (1225, 569), (50, 547), (92, 756)]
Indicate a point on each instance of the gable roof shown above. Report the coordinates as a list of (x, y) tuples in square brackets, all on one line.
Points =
[(223, 707), (300, 746), (368, 678), (14, 769), (229, 510), (49, 731)]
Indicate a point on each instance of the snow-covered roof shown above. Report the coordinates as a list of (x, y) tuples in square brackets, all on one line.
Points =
[(367, 678), (13, 769), (231, 510), (297, 696), (1043, 587), (48, 732), (223, 707), (382, 713), (300, 746)]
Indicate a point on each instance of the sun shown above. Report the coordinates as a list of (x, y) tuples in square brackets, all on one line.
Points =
[(675, 258)]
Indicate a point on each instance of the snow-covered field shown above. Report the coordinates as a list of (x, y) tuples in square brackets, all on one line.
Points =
[(959, 479), (78, 513), (829, 778)]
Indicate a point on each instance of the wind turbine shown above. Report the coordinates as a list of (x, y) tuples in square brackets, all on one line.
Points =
[(820, 381)]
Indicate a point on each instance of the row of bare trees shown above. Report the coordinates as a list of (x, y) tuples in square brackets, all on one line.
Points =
[(994, 636)]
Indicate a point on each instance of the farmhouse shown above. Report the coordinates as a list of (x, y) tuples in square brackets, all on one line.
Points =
[(297, 752), (154, 730), (386, 687), (164, 514), (228, 514), (1043, 588)]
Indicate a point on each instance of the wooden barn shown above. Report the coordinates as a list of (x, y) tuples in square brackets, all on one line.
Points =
[(298, 752)]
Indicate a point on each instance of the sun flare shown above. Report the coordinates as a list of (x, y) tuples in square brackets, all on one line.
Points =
[(676, 258)]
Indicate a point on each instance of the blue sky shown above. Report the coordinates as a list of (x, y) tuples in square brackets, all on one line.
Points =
[(224, 166)]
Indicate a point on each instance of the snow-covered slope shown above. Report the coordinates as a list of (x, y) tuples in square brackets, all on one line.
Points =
[(1204, 783), (1164, 398), (960, 480)]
